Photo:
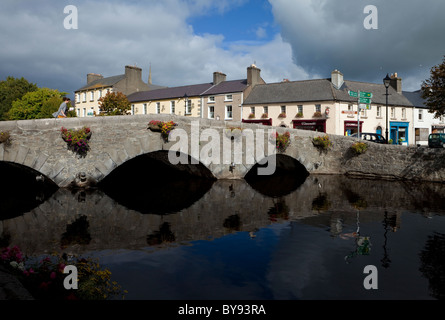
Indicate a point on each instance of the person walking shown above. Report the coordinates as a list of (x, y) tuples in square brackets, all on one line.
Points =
[(61, 113)]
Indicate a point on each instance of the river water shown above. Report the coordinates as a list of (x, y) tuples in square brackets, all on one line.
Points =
[(270, 240)]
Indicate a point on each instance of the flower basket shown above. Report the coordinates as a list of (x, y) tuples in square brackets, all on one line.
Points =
[(251, 116), (323, 143), (299, 115), (5, 138), (317, 115), (155, 126), (282, 115), (77, 140), (282, 141), (264, 116), (359, 148)]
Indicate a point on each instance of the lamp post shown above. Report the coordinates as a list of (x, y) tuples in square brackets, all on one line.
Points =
[(387, 82)]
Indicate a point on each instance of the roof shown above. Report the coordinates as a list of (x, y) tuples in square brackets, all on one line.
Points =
[(104, 82), (169, 93), (191, 91), (415, 98), (321, 90)]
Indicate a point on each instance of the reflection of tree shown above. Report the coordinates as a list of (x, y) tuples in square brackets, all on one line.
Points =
[(321, 203), (362, 244), (280, 210), (163, 235), (432, 260), (76, 233)]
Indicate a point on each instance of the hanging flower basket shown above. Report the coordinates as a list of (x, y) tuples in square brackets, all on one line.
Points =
[(282, 141), (323, 143), (155, 125), (264, 116), (77, 140), (163, 127)]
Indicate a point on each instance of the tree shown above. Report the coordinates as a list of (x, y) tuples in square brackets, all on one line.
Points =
[(11, 90), (36, 105), (115, 103), (433, 90)]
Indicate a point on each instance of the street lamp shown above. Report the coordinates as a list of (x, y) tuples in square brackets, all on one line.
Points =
[(387, 82)]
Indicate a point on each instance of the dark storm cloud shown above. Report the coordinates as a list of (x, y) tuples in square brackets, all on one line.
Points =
[(327, 35)]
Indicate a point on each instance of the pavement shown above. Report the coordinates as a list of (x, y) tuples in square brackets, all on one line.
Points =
[(11, 288)]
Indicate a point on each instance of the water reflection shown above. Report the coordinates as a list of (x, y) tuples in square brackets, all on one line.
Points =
[(287, 245)]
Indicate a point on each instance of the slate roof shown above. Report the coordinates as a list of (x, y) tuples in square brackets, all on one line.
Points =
[(169, 93), (104, 82), (204, 89), (321, 90), (415, 98)]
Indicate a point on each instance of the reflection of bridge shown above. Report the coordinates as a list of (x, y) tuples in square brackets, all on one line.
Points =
[(37, 144)]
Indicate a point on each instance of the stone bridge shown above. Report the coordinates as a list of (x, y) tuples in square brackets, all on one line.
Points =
[(38, 145)]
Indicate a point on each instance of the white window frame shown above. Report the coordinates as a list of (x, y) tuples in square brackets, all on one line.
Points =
[(379, 111), (211, 112), (188, 108), (144, 108), (84, 97), (228, 97), (92, 96), (172, 107), (283, 109), (229, 112), (211, 99), (158, 108), (318, 108), (420, 116), (393, 112), (266, 110)]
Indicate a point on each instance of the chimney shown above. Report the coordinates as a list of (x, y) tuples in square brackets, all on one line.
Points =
[(253, 75), (337, 79), (133, 74), (93, 77), (396, 83), (218, 77)]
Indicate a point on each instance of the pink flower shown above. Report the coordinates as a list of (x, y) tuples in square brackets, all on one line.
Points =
[(52, 275)]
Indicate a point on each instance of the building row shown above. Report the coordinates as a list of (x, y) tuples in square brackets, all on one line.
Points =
[(324, 105)]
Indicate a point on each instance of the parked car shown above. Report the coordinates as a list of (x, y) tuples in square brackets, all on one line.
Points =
[(373, 137), (436, 140)]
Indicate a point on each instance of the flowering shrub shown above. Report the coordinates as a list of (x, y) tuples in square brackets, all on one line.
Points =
[(44, 279), (77, 140), (5, 137), (359, 147), (322, 142), (283, 141)]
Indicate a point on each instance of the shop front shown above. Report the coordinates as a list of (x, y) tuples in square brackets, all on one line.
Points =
[(310, 125), (351, 127), (264, 122), (399, 133)]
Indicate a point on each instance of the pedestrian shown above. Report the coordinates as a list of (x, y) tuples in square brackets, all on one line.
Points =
[(61, 113)]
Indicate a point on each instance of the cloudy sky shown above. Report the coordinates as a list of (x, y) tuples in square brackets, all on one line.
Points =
[(185, 41)]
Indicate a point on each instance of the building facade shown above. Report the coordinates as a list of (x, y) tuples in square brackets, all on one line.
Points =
[(325, 105), (87, 97)]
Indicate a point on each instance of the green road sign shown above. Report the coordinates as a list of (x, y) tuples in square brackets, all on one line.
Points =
[(353, 94), (365, 95), (365, 100)]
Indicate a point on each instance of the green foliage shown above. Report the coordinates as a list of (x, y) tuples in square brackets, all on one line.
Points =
[(13, 89), (31, 104), (115, 104), (359, 147), (433, 90)]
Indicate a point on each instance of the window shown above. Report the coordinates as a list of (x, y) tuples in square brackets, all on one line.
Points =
[(283, 109), (84, 98), (188, 109), (393, 112), (84, 114), (266, 110), (132, 109), (229, 113), (172, 107), (78, 98), (318, 108), (300, 109), (211, 99), (78, 112), (158, 107), (379, 111), (211, 112), (350, 107), (229, 97), (92, 96), (100, 94), (403, 113), (420, 115), (145, 108), (252, 110)]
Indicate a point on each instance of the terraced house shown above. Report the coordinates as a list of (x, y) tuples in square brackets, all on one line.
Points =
[(220, 99), (325, 105), (87, 97)]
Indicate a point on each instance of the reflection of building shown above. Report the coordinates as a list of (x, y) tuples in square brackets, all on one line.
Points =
[(87, 97), (324, 105)]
